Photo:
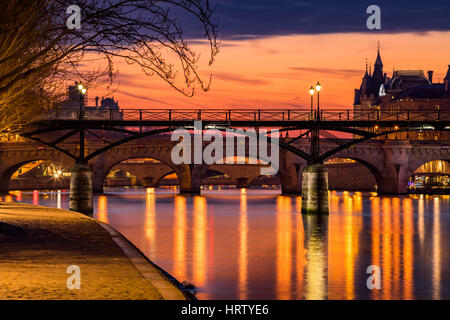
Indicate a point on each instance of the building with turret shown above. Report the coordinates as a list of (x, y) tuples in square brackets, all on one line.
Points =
[(405, 90)]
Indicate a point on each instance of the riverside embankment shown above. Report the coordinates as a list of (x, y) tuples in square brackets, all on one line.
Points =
[(38, 245)]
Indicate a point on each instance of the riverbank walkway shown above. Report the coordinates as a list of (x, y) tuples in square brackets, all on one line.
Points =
[(38, 245)]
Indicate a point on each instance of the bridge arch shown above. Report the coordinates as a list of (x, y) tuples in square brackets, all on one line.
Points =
[(436, 166), (335, 177), (7, 170), (103, 168)]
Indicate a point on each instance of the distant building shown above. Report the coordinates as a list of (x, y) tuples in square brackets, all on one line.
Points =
[(75, 99), (405, 90)]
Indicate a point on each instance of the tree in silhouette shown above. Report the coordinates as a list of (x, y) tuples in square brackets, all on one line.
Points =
[(39, 53)]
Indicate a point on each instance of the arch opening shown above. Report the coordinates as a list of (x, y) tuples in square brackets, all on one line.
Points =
[(38, 174), (345, 174), (431, 177), (140, 172)]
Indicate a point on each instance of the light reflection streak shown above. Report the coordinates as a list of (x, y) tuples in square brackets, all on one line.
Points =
[(150, 219), (301, 251), (408, 250), (436, 250), (200, 239), (421, 220), (396, 247), (386, 266), (316, 246), (376, 235), (243, 248), (58, 199), (284, 248), (102, 208), (180, 237)]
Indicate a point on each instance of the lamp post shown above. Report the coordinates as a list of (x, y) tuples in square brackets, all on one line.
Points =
[(311, 92), (82, 90), (318, 88)]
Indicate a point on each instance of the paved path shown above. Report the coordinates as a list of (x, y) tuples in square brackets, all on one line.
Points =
[(38, 244)]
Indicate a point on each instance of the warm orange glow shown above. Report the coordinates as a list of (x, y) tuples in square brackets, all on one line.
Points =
[(243, 248), (102, 209), (376, 235), (284, 248), (408, 250), (35, 197), (200, 240), (150, 219), (268, 73), (436, 258), (387, 248), (179, 235), (301, 251)]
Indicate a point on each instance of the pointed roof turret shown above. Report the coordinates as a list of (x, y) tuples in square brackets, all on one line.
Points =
[(367, 70), (378, 61), (448, 73)]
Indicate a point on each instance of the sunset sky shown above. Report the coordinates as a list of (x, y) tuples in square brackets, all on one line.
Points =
[(273, 51)]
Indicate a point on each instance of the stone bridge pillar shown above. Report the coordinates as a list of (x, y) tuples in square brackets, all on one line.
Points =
[(315, 189), (98, 173), (290, 174), (394, 176), (81, 195), (190, 178)]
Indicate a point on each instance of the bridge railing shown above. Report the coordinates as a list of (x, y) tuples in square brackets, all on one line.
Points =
[(247, 115)]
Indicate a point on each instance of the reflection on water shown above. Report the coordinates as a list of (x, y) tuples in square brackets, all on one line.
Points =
[(255, 244)]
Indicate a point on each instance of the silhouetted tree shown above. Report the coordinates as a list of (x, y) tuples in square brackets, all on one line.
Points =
[(39, 52)]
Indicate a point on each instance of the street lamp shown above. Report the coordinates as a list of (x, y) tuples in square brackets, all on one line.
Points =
[(82, 90), (311, 92), (318, 88)]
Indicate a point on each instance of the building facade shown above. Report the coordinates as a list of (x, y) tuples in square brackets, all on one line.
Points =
[(405, 90)]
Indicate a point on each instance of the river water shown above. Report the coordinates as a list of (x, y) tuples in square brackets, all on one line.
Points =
[(255, 244)]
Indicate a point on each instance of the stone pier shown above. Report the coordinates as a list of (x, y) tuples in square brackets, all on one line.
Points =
[(315, 189), (81, 191)]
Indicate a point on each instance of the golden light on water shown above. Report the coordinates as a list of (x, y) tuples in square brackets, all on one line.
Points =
[(200, 239), (284, 247), (179, 234), (243, 248), (150, 219), (102, 209), (436, 262), (253, 239)]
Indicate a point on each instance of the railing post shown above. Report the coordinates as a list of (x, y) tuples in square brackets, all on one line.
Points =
[(229, 114), (348, 115), (289, 115), (259, 115), (140, 120), (408, 115), (170, 114), (439, 115), (378, 114)]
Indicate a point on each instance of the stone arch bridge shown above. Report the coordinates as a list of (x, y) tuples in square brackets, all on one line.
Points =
[(391, 162)]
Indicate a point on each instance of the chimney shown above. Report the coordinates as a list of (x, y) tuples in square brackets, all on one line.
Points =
[(430, 76)]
